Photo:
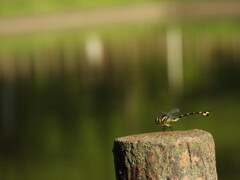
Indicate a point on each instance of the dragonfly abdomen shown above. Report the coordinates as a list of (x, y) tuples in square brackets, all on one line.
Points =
[(204, 113)]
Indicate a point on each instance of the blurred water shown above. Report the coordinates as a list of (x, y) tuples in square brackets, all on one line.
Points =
[(66, 96)]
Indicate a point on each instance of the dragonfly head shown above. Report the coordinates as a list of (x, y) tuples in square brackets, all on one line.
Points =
[(158, 120)]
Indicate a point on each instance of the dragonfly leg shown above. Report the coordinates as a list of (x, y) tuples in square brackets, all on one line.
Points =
[(171, 128), (164, 128)]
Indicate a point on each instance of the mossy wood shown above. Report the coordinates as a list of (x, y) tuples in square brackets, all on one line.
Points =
[(180, 155)]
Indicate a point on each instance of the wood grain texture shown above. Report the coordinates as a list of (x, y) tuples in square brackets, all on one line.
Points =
[(176, 155)]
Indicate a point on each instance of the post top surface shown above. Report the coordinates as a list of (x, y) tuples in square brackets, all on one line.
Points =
[(168, 135)]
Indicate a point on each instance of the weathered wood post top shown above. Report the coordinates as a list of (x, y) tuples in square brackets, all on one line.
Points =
[(172, 155)]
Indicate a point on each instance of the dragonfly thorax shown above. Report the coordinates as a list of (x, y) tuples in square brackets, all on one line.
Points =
[(161, 119)]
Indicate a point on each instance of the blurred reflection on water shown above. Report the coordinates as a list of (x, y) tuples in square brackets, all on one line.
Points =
[(65, 97)]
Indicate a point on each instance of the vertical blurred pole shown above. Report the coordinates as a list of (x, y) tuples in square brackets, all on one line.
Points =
[(94, 51), (24, 65), (8, 92), (70, 57), (41, 63), (174, 60), (8, 98)]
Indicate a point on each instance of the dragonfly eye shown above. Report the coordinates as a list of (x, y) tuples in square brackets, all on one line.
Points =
[(158, 120)]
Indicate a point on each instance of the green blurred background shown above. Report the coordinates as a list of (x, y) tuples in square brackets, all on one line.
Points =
[(66, 92)]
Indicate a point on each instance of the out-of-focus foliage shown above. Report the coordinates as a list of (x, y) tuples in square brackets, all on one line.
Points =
[(20, 7), (61, 110), (15, 7)]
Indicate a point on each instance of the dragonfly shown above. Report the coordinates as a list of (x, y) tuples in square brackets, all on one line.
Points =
[(166, 119)]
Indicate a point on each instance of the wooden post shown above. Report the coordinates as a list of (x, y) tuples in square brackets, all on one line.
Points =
[(172, 155)]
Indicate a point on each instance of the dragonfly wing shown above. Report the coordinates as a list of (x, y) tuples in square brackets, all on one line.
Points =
[(175, 110), (163, 112)]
